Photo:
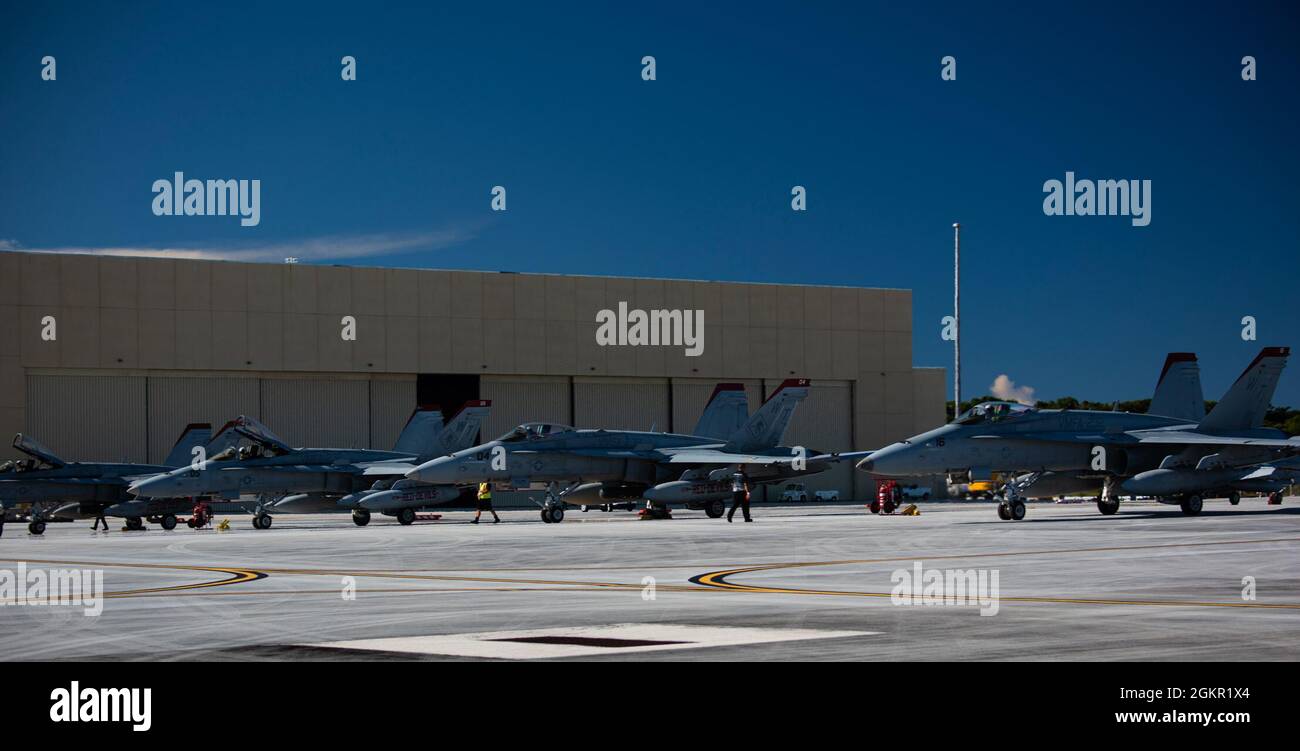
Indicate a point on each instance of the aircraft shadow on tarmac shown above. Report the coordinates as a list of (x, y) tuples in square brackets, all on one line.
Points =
[(1173, 512)]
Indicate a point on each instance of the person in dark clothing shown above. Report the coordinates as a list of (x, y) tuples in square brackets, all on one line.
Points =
[(739, 496), (100, 520), (485, 503)]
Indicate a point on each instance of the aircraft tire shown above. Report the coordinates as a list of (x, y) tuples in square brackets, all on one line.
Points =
[(715, 509), (36, 528), (406, 516), (361, 517), (168, 522), (1017, 509), (1004, 513), (1107, 508), (546, 515), (557, 514), (1191, 505), (583, 508), (134, 523), (1234, 498)]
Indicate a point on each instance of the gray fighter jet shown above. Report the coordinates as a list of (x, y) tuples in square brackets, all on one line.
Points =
[(1117, 446), (1178, 394), (726, 412), (584, 466), (45, 488), (270, 469)]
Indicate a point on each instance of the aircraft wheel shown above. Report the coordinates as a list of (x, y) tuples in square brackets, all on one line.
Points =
[(1107, 508), (1004, 513), (406, 516), (557, 514), (1017, 509), (2, 529), (168, 522), (583, 508), (1234, 498), (1191, 505), (36, 528), (715, 509), (135, 524), (546, 515), (261, 521), (361, 517)]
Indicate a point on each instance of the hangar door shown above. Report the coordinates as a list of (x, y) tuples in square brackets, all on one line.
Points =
[(620, 403), (177, 401), (520, 399), (392, 400), (89, 417), (318, 412), (691, 394), (823, 422)]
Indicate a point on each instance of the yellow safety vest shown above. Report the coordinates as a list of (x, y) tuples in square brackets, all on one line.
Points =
[(484, 491)]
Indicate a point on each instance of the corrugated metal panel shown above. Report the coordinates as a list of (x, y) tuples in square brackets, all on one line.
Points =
[(175, 402), (391, 404), (89, 417), (691, 394), (620, 403), (520, 399), (320, 413), (824, 422)]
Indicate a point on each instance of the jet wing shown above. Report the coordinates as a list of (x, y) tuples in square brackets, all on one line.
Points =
[(1202, 439), (392, 468), (713, 456)]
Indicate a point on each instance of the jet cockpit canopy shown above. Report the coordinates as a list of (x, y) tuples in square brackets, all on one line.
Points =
[(531, 431), (992, 412)]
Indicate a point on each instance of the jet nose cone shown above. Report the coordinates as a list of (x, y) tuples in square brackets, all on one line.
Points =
[(892, 459), (866, 464)]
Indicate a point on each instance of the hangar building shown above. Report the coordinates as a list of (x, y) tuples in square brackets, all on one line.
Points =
[(140, 347)]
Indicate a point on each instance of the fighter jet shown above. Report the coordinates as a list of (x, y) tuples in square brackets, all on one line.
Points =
[(1178, 394), (270, 469), (1118, 446), (581, 466), (726, 412), (44, 487)]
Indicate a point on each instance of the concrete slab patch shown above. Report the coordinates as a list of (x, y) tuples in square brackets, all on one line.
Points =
[(585, 641)]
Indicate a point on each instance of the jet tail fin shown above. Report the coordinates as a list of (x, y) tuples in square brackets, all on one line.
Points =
[(1243, 407), (725, 413), (1178, 393), (461, 431), (421, 430), (765, 428), (195, 435)]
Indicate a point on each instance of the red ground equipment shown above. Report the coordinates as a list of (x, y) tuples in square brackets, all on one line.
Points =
[(888, 495), (202, 516)]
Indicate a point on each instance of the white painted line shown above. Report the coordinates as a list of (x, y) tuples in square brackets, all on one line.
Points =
[(490, 644)]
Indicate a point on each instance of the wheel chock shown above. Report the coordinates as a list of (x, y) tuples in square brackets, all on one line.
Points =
[(224, 526), (911, 510)]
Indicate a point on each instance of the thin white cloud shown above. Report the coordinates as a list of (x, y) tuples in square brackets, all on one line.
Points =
[(1005, 388), (318, 249)]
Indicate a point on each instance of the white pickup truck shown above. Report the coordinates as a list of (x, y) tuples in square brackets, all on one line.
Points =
[(796, 491)]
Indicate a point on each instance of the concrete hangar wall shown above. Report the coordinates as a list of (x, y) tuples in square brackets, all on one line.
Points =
[(144, 346)]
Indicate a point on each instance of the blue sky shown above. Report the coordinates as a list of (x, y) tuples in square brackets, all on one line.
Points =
[(689, 176)]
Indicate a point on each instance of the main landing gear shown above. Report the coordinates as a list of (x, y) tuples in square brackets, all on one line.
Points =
[(1191, 505), (1107, 508), (361, 517), (715, 508), (261, 520), (1234, 498), (405, 516)]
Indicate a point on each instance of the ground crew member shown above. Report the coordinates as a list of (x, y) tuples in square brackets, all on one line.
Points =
[(739, 496), (485, 503), (98, 520)]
